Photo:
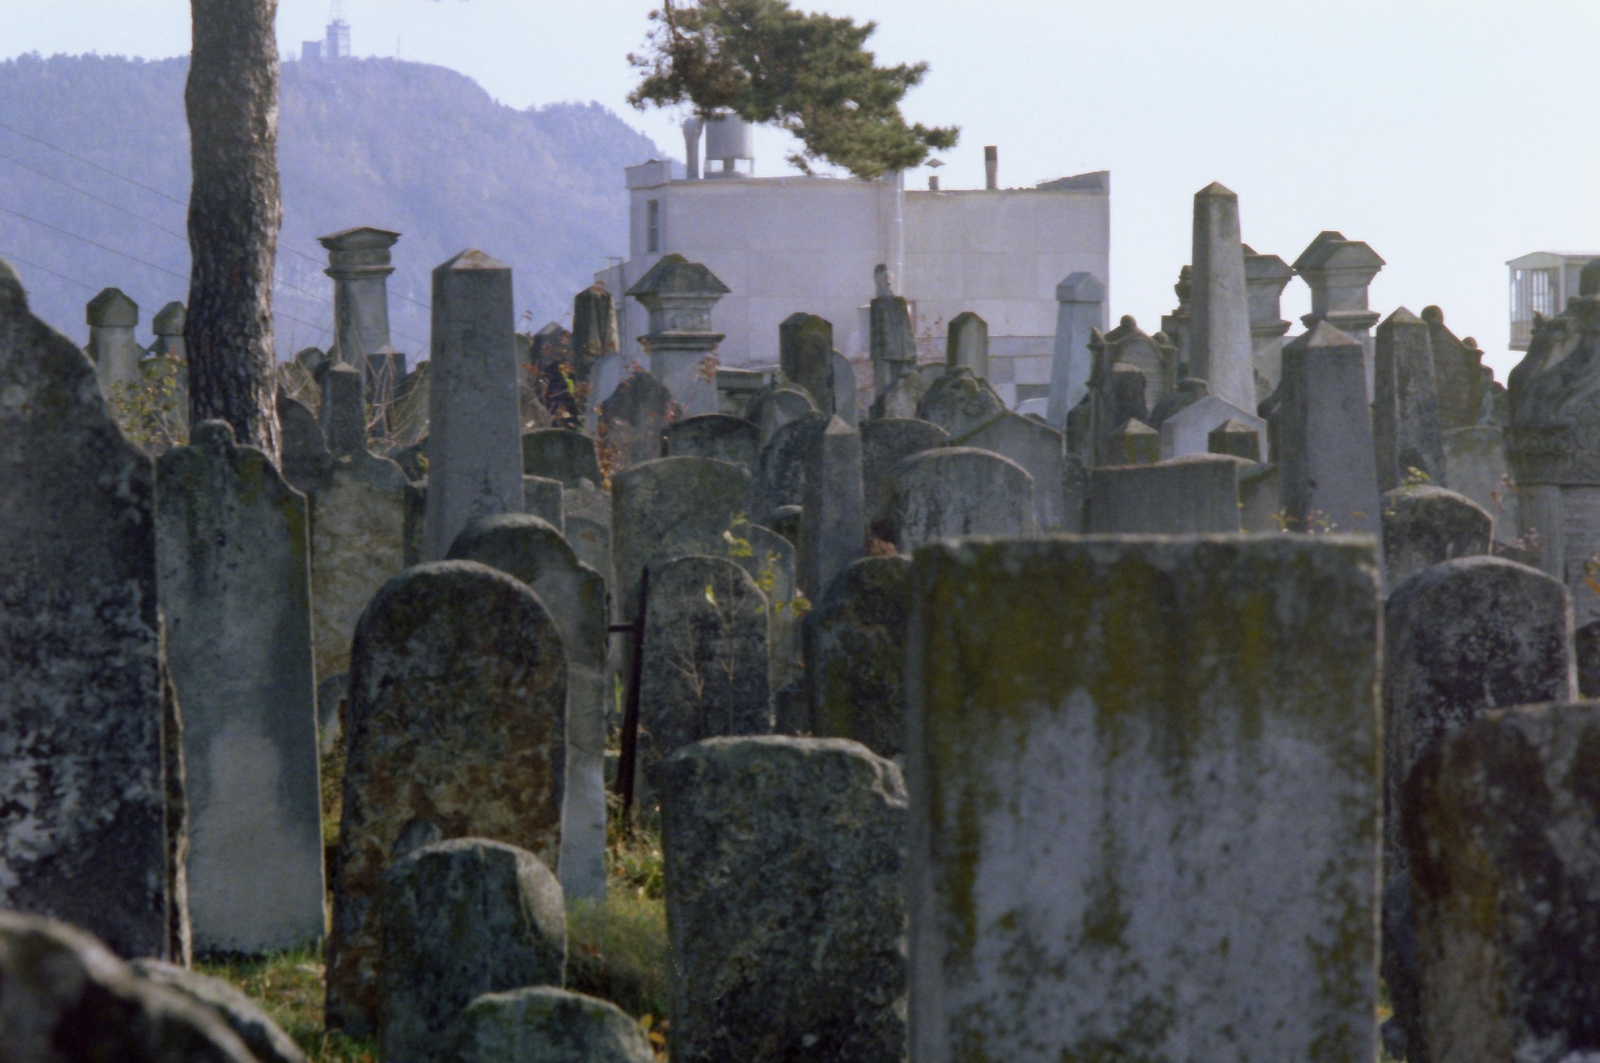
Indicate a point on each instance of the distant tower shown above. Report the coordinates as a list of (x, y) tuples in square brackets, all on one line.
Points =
[(337, 45)]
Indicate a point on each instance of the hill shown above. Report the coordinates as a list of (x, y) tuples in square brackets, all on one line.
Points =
[(405, 146)]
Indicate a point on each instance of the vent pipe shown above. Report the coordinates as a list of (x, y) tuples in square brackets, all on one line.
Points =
[(691, 148), (991, 167)]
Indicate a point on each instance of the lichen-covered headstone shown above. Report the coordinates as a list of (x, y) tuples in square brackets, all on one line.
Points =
[(958, 400), (1405, 409), (548, 1025), (1326, 460), (82, 810), (632, 418), (542, 497), (1196, 495), (303, 451), (455, 729), (780, 475), (1036, 447), (1144, 803), (785, 905), (715, 435), (591, 541), (1503, 832), (1424, 525), (832, 528), (231, 544), (805, 354), (859, 628), (958, 491), (775, 406), (358, 543), (460, 919), (560, 454), (533, 551), (886, 442)]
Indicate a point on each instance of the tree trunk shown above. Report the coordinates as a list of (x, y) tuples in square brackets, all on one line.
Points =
[(234, 213)]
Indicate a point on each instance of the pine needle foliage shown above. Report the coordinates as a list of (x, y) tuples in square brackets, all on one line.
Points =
[(807, 73)]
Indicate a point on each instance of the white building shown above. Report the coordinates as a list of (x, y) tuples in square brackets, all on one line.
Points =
[(1541, 283), (809, 244)]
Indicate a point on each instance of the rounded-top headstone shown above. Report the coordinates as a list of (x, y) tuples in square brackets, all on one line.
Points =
[(958, 400), (667, 508), (1424, 525), (780, 477), (954, 492), (715, 435), (885, 442), (542, 1024), (560, 454)]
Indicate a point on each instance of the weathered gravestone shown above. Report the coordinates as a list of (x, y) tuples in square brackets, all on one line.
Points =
[(549, 1025), (455, 729), (846, 399), (958, 491), (460, 919), (358, 543), (678, 295), (1133, 443), (1144, 804), (1325, 453), (112, 317), (776, 406), (859, 628), (770, 561), (1424, 525), (1405, 410), (632, 418), (264, 1038), (1502, 826), (231, 549), (958, 400), (886, 442), (832, 527), (705, 657), (785, 907), (1586, 650), (303, 453), (1235, 438), (1197, 495), (543, 497), (1338, 272), (83, 830), (715, 435), (805, 354), (533, 551), (1036, 447), (560, 454), (1081, 298), (342, 413), (591, 541), (474, 433), (1188, 431), (1265, 277), (967, 344), (1219, 350), (780, 476)]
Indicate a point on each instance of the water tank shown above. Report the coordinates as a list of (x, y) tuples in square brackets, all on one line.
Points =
[(728, 137)]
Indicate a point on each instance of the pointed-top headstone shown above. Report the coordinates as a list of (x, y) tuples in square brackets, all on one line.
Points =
[(112, 309), (1219, 345)]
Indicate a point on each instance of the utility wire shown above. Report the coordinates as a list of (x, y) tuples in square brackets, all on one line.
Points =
[(9, 257)]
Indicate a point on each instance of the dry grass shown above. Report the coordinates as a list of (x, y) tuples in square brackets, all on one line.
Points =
[(289, 987)]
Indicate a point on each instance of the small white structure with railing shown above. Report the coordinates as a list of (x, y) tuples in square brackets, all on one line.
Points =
[(1541, 283)]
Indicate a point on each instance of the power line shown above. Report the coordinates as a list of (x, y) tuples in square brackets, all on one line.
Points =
[(96, 165), (9, 257), (93, 243), (94, 197)]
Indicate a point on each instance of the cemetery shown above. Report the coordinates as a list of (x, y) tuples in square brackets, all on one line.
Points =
[(604, 695)]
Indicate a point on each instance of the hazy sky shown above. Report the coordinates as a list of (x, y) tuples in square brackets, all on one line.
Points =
[(1451, 135)]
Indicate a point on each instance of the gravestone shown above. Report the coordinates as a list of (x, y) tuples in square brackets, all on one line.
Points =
[(263, 1037), (1405, 411), (358, 543), (1036, 447), (112, 317), (1188, 431), (1197, 495), (1074, 495), (1458, 374), (771, 564), (954, 492), (1425, 525), (859, 628), (462, 918), (359, 263), (884, 444), (231, 545), (1235, 438), (560, 454), (785, 908), (780, 476), (1144, 817), (774, 407), (1128, 347), (474, 434), (1081, 307), (1475, 465), (632, 419), (1265, 277), (1326, 456), (1219, 350), (455, 729), (594, 329), (1501, 826), (303, 451), (902, 398), (832, 526), (846, 399), (1586, 651), (958, 401), (543, 498), (591, 541), (1133, 443), (967, 344), (669, 508), (785, 522), (679, 295), (715, 435), (535, 552), (83, 832), (705, 657), (805, 354), (1338, 272), (168, 328), (550, 1025), (343, 411), (891, 340)]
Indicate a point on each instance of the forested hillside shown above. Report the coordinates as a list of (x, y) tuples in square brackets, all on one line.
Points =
[(405, 146)]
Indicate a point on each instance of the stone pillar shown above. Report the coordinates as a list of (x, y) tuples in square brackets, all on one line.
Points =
[(1142, 812), (832, 525), (1405, 409), (1219, 347), (82, 671), (1265, 277), (893, 343), (805, 354), (786, 853), (594, 331), (1338, 272), (679, 295), (232, 546), (358, 262), (475, 436), (1081, 307), (168, 328), (967, 344), (112, 318), (1329, 478)]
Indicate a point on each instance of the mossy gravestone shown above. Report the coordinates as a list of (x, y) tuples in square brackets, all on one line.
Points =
[(1145, 804), (236, 597), (785, 904), (455, 729), (954, 492), (860, 634), (358, 543), (550, 1025), (82, 811)]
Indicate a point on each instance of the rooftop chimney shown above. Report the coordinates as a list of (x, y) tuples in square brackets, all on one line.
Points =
[(991, 167)]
